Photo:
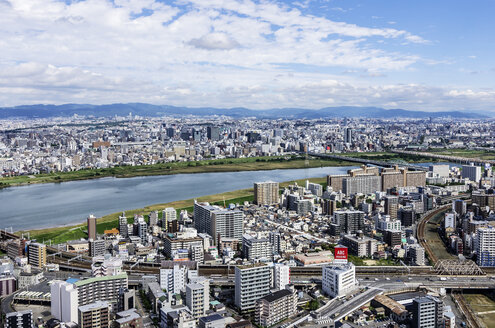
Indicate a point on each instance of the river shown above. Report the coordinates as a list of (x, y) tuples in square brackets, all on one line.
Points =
[(56, 204)]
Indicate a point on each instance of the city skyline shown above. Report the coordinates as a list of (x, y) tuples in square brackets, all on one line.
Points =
[(268, 54)]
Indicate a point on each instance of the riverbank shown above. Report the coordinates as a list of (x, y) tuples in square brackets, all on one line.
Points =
[(207, 166), (57, 235)]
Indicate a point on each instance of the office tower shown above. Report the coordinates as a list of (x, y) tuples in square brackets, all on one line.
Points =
[(123, 227), (213, 133), (37, 255), (218, 222), (100, 289), (362, 184), (266, 193), (276, 307), (407, 216), (21, 319), (256, 248), (391, 206), (64, 301), (471, 172), (127, 299), (393, 237), (94, 315), (459, 206), (275, 239), (169, 215), (417, 255), (350, 222), (91, 227), (97, 247), (281, 276), (427, 312), (347, 135), (485, 242), (170, 132), (173, 280), (339, 280), (251, 283), (198, 296)]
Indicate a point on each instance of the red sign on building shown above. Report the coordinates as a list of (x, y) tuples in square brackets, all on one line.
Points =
[(340, 253)]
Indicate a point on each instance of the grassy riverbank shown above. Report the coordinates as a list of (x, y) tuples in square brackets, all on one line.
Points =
[(206, 166), (62, 234), (466, 153)]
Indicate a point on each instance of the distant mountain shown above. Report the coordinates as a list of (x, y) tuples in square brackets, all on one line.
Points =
[(44, 111)]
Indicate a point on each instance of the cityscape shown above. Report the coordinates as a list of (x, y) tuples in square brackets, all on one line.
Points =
[(247, 164)]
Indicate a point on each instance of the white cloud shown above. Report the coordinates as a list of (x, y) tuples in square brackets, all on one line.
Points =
[(196, 53)]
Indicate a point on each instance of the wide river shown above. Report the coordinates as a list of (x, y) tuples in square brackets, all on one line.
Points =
[(56, 204)]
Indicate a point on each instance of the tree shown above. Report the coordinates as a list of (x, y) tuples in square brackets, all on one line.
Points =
[(313, 305)]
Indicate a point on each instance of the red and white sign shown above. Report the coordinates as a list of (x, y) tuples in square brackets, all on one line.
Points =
[(340, 253)]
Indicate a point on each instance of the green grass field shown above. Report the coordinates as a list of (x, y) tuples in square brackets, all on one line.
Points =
[(220, 165), (63, 234), (481, 304), (462, 152)]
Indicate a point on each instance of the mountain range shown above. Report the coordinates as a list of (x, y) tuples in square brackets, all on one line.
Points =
[(142, 109)]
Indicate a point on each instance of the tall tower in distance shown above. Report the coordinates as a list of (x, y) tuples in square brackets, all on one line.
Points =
[(91, 227)]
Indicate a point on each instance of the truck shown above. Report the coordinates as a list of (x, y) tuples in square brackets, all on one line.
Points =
[(443, 278)]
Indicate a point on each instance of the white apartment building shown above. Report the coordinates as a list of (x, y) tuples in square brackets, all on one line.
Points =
[(485, 246), (173, 280), (281, 276), (251, 283), (198, 296), (64, 301)]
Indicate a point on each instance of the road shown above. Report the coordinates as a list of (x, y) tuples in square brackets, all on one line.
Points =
[(305, 235)]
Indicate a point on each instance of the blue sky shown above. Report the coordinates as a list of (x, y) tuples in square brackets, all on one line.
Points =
[(419, 55)]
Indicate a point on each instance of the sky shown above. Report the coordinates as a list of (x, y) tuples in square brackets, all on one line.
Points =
[(260, 54)]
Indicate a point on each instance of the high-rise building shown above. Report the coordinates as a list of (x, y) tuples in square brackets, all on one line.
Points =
[(350, 222), (471, 172), (266, 193), (427, 312), (407, 216), (218, 222), (275, 239), (21, 319), (315, 188), (64, 301), (273, 308), (169, 214), (348, 135), (94, 315), (142, 230), (459, 206), (8, 285), (256, 248), (362, 184), (91, 227), (123, 227), (329, 206), (440, 170), (336, 181), (485, 242), (339, 280), (251, 283), (97, 247), (173, 280), (37, 255), (361, 246), (213, 132), (281, 276), (15, 248), (391, 206), (198, 296)]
